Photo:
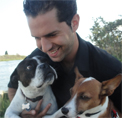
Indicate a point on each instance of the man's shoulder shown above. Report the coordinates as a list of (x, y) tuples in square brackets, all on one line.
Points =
[(36, 52), (94, 51), (97, 56)]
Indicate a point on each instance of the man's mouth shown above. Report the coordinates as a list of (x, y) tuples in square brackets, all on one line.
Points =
[(54, 52)]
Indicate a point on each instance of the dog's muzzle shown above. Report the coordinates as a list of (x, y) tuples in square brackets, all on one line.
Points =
[(48, 71)]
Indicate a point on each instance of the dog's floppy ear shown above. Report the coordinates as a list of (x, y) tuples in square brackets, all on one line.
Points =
[(109, 86), (14, 76), (78, 75)]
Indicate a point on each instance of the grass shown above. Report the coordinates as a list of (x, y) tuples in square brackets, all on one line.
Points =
[(11, 57), (4, 103)]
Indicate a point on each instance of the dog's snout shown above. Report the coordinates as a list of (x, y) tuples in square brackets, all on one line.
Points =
[(65, 110), (44, 66)]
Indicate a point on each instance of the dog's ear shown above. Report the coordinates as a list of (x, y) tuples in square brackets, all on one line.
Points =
[(109, 86), (77, 73), (14, 76)]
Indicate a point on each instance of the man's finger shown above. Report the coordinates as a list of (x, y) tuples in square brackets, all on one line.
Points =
[(42, 113), (25, 112), (32, 112), (38, 106)]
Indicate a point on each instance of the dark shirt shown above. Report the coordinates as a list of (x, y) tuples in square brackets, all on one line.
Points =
[(91, 61)]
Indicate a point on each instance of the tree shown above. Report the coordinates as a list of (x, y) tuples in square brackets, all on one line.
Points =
[(108, 36), (6, 52)]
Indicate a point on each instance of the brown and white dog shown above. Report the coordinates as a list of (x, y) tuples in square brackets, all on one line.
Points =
[(89, 98)]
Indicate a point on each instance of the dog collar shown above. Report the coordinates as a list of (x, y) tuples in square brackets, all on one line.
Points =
[(33, 99), (114, 114), (90, 114)]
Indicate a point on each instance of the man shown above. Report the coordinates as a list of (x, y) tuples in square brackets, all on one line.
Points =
[(53, 23)]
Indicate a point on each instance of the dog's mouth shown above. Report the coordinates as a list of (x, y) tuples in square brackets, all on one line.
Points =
[(40, 85)]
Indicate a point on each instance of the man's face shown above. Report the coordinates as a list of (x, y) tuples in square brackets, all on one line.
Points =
[(54, 38)]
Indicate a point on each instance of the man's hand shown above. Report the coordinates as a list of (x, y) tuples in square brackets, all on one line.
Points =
[(35, 113)]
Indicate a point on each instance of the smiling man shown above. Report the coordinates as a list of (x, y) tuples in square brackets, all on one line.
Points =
[(54, 38), (53, 23)]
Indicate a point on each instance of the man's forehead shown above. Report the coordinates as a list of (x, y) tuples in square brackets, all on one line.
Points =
[(43, 24)]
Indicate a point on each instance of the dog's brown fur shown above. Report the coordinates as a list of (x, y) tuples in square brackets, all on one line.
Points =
[(96, 91)]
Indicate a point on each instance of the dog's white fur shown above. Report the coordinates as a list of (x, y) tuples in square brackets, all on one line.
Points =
[(31, 91)]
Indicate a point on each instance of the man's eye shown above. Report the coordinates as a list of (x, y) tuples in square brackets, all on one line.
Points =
[(84, 97), (37, 38), (51, 35), (29, 67)]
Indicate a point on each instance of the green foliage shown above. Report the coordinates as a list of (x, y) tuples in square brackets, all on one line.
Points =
[(4, 103), (108, 36)]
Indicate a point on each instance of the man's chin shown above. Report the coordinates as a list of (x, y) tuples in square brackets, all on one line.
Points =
[(56, 59)]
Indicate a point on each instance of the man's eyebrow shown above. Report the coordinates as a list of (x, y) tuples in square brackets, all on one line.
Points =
[(51, 33), (48, 35)]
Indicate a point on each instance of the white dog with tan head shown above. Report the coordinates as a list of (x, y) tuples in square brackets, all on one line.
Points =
[(34, 76)]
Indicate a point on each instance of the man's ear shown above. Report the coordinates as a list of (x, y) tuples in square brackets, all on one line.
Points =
[(109, 86), (14, 76), (77, 73), (75, 22)]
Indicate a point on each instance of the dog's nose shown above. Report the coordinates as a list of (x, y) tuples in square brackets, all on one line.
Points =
[(65, 110), (44, 66)]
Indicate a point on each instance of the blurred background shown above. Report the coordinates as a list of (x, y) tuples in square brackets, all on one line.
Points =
[(15, 36)]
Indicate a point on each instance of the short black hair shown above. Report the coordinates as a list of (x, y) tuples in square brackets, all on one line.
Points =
[(66, 9)]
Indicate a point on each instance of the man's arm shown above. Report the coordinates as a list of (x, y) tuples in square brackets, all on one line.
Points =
[(11, 93)]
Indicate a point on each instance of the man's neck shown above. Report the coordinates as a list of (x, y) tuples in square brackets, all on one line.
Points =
[(69, 61), (67, 66)]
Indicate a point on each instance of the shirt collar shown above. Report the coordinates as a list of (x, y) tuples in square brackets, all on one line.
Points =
[(82, 57)]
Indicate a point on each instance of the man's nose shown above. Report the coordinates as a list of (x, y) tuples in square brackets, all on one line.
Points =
[(46, 45)]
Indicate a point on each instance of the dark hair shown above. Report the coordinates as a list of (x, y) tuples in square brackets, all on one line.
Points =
[(66, 9)]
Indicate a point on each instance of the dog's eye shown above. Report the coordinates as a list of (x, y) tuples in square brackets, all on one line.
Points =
[(83, 97), (29, 67)]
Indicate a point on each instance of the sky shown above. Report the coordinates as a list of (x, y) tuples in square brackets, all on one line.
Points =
[(15, 35)]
